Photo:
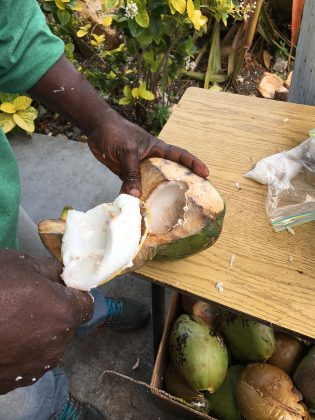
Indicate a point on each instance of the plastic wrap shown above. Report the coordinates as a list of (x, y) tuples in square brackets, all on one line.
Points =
[(290, 177)]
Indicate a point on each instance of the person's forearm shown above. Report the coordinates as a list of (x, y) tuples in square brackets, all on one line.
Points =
[(67, 92)]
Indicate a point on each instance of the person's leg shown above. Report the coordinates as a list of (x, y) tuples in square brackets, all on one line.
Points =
[(48, 398), (120, 314), (40, 401)]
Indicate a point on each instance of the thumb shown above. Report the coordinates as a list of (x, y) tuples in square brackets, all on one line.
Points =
[(46, 267), (130, 172)]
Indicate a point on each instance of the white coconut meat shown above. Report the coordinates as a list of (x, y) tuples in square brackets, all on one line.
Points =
[(100, 243), (167, 205)]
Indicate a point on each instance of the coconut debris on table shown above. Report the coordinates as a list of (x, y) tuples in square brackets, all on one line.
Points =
[(220, 287), (290, 230), (232, 258)]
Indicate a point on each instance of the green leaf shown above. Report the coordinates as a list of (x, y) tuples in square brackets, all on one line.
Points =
[(25, 119), (155, 26), (63, 16), (156, 63), (135, 92), (140, 3), (69, 50), (144, 93), (189, 46), (6, 122), (49, 7), (81, 33), (110, 4), (224, 18), (148, 56), (8, 97), (127, 92), (22, 102), (134, 28), (147, 95), (145, 38), (124, 101), (142, 18), (142, 87), (179, 5), (8, 107)]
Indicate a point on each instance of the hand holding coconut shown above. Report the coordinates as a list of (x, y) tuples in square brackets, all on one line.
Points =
[(38, 317), (114, 141)]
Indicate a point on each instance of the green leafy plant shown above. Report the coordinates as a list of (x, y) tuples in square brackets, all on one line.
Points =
[(16, 110), (62, 9), (130, 95), (160, 43)]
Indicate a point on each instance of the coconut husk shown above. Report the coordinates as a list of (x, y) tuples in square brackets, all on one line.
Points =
[(269, 84)]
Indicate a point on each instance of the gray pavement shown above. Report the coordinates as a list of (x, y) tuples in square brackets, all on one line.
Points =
[(56, 172)]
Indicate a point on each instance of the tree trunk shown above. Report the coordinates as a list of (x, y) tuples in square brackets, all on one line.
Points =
[(303, 83)]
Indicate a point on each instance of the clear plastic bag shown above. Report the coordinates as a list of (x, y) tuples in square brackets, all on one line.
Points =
[(290, 177)]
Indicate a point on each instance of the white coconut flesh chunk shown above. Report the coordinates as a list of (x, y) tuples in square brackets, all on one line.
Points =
[(167, 205), (100, 243)]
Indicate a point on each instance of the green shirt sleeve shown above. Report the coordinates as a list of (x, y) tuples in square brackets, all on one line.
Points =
[(28, 49)]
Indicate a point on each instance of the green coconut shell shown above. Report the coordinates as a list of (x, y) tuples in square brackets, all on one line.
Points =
[(288, 352), (248, 340), (223, 402), (304, 378), (198, 354), (176, 386), (192, 244)]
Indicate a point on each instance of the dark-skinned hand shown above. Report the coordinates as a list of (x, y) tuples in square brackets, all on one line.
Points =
[(122, 145), (38, 317), (116, 142)]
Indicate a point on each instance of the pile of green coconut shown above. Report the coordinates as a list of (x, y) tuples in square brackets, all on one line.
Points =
[(232, 367)]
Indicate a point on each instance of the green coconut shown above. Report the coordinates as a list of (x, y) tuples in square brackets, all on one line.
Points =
[(249, 341), (182, 214), (176, 386), (223, 402), (198, 353), (304, 378)]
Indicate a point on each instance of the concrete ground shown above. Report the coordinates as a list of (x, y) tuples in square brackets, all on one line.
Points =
[(57, 172)]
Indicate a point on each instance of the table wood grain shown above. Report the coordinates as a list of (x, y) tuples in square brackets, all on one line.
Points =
[(230, 133)]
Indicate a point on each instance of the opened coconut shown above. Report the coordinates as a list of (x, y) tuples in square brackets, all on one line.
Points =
[(178, 214)]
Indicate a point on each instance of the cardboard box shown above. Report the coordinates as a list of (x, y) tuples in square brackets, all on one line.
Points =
[(151, 401), (165, 400)]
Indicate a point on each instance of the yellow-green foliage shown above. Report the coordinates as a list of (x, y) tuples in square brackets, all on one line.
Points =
[(16, 110)]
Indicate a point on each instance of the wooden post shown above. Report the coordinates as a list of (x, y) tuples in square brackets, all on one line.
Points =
[(303, 83)]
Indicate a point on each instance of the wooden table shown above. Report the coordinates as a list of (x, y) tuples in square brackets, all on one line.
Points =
[(230, 133)]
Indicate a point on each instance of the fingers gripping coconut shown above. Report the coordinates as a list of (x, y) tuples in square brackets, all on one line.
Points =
[(38, 318), (178, 214)]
